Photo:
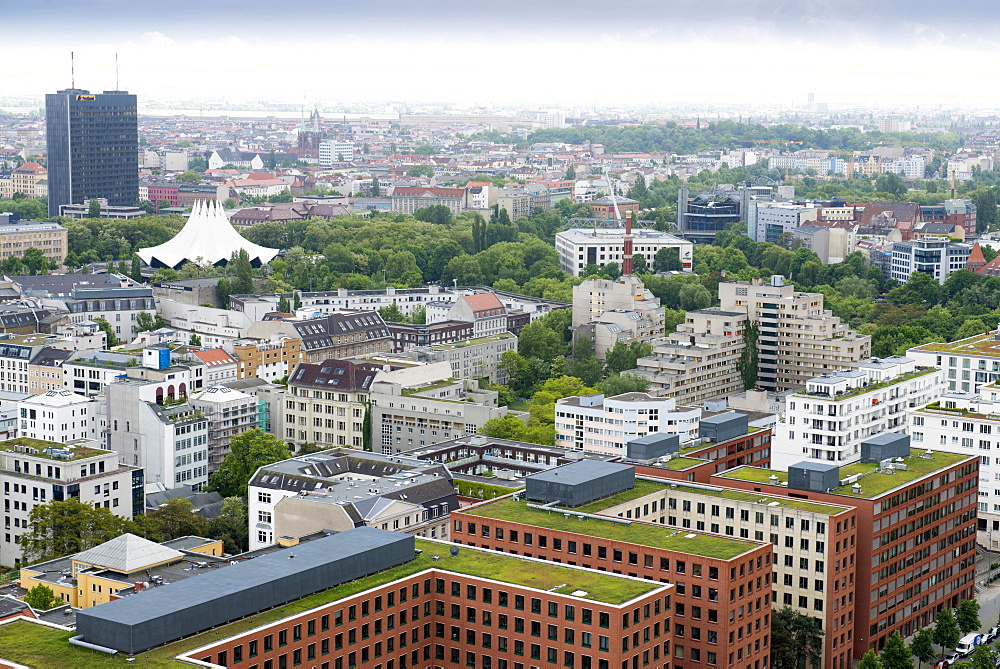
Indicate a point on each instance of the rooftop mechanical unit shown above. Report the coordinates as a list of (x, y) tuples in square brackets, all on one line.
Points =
[(652, 446), (884, 446), (579, 482), (723, 426), (814, 476)]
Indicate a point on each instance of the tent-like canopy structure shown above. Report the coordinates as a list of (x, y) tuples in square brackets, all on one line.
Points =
[(207, 237)]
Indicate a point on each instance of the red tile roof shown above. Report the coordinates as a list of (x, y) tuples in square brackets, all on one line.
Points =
[(214, 357), (976, 255), (483, 302)]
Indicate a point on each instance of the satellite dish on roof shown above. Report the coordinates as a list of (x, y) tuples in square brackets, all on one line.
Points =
[(454, 551)]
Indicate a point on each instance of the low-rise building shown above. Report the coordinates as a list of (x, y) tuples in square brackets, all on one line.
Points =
[(17, 236), (341, 335), (269, 359), (471, 358), (406, 336), (969, 363), (59, 416), (344, 488)]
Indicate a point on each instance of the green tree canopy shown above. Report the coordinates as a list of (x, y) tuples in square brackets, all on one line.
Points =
[(796, 638), (420, 171), (230, 526), (895, 655), (869, 661), (967, 616), (63, 528), (922, 645), (41, 598), (946, 630), (177, 518), (623, 383), (105, 326), (248, 452)]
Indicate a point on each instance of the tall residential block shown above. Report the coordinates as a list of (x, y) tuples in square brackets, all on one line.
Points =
[(93, 144)]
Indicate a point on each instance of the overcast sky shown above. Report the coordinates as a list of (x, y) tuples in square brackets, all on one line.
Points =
[(544, 52)]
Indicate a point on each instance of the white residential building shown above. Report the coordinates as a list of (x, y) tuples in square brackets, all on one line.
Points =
[(335, 151), (59, 416), (837, 411), (969, 363), (40, 472), (967, 423), (596, 424), (579, 247)]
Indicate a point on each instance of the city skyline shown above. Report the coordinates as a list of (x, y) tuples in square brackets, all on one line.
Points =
[(880, 53)]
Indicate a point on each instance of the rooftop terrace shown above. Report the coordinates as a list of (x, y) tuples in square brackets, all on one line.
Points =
[(641, 533), (39, 646), (38, 445), (873, 483), (473, 342)]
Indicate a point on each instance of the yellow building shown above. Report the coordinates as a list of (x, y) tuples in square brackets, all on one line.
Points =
[(124, 565)]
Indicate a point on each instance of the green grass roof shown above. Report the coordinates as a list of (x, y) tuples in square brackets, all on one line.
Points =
[(642, 534), (39, 646), (682, 463)]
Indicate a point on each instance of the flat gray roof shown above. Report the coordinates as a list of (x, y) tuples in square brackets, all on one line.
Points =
[(580, 472)]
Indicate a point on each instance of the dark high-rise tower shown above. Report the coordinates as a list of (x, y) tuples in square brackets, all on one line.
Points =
[(93, 145)]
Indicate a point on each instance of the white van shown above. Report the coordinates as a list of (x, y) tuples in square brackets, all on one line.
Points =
[(968, 643)]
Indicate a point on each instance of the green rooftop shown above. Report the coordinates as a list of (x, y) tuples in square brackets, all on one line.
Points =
[(643, 534), (853, 392), (38, 646), (984, 345), (872, 483), (681, 463), (39, 445), (473, 342)]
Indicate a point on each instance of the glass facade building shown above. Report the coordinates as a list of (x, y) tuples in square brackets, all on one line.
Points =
[(93, 143)]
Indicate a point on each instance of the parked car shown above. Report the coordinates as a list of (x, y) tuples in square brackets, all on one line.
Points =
[(992, 634)]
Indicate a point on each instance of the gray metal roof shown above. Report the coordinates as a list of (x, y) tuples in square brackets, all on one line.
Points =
[(580, 471), (127, 554)]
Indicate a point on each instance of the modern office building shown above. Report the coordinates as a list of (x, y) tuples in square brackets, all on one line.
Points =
[(93, 147), (932, 255)]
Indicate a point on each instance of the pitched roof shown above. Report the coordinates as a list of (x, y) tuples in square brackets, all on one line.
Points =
[(901, 211), (976, 255), (341, 375), (483, 302), (214, 357), (127, 554)]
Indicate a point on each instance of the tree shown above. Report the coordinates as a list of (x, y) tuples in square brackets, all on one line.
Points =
[(392, 314), (436, 213), (922, 645), (895, 655), (136, 273), (891, 183), (967, 616), (946, 631), (419, 315), (283, 305), (104, 325), (177, 518), (94, 208), (420, 171), (639, 265), (248, 452), (623, 383), (376, 189), (795, 637), (35, 261), (747, 364), (240, 265), (667, 260), (539, 341), (869, 661), (622, 357), (195, 340), (230, 526), (67, 527), (983, 657), (296, 300), (41, 598), (190, 176), (570, 173), (694, 296), (146, 322)]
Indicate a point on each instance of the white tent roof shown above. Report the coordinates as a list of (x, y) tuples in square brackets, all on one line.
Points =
[(207, 237), (127, 554)]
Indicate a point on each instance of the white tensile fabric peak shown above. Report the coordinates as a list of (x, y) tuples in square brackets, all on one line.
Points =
[(207, 237)]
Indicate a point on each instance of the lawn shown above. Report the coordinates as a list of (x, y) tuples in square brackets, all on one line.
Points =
[(641, 489), (681, 463), (40, 646), (873, 483), (754, 474)]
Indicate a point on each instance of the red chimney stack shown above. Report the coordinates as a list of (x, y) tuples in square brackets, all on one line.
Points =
[(627, 255)]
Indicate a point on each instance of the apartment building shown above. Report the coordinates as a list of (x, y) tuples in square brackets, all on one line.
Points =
[(699, 360), (830, 419), (406, 336), (326, 404), (423, 405), (220, 366), (170, 442), (916, 529), (59, 416), (798, 339), (342, 488), (94, 370), (485, 311), (471, 358), (17, 353), (36, 472), (969, 363), (342, 335), (17, 236), (28, 179), (229, 412), (579, 247), (722, 585), (608, 312), (969, 424), (269, 359), (598, 424)]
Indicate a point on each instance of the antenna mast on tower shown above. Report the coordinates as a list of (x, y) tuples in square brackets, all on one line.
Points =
[(627, 251), (72, 70)]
